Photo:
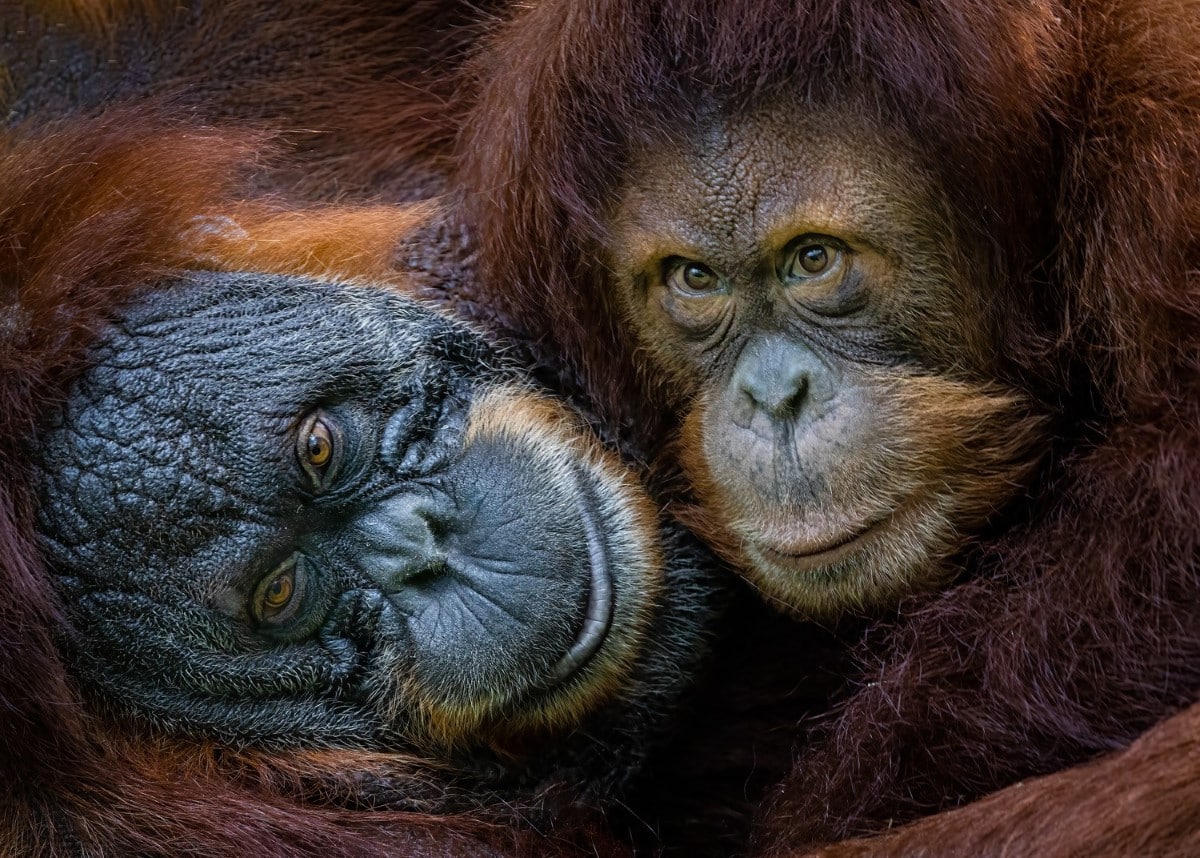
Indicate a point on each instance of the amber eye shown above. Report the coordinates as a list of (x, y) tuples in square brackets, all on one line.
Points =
[(316, 448), (278, 593), (810, 258), (689, 277), (319, 446), (278, 596)]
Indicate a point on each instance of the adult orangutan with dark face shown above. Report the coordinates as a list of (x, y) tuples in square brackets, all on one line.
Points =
[(362, 125), (908, 293), (297, 566)]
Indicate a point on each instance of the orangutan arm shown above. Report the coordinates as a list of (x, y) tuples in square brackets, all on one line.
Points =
[(1144, 800)]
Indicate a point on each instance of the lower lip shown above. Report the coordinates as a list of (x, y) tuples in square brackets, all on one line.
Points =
[(823, 556), (599, 614)]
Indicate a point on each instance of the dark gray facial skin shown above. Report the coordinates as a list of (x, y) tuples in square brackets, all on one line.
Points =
[(296, 514)]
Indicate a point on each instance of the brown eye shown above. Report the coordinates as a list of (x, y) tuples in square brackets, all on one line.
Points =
[(317, 447), (690, 277), (278, 597), (810, 259), (814, 259)]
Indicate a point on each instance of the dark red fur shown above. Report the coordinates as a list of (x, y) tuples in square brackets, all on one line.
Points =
[(1069, 134), (1139, 801), (367, 97), (363, 92), (91, 211)]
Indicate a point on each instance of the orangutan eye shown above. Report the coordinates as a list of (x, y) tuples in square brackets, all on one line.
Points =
[(318, 448), (690, 278), (280, 594), (811, 257)]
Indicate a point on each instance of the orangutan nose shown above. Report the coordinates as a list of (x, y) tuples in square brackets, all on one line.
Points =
[(772, 377)]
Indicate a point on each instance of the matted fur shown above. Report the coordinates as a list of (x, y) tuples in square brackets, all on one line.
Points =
[(363, 90), (1069, 135), (98, 17)]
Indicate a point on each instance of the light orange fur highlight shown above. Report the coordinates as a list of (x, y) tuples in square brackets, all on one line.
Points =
[(346, 243), (101, 17)]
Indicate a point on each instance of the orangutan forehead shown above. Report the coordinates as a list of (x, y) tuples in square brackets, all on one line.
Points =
[(183, 425), (763, 176), (226, 317)]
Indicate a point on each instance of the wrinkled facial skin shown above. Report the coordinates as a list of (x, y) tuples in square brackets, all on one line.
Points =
[(801, 282), (297, 514)]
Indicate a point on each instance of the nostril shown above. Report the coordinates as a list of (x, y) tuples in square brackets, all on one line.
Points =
[(778, 391), (432, 568), (437, 523), (792, 394), (404, 537)]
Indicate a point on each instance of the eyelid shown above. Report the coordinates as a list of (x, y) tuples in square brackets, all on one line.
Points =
[(288, 612), (807, 239), (671, 265), (320, 479)]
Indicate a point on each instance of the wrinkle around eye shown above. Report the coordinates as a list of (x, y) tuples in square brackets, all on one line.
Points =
[(718, 337), (841, 299), (697, 316)]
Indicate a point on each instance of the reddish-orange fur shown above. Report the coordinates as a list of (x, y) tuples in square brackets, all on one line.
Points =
[(1067, 136), (1139, 801), (1075, 627)]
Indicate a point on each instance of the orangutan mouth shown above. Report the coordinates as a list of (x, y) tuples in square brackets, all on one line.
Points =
[(822, 553)]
